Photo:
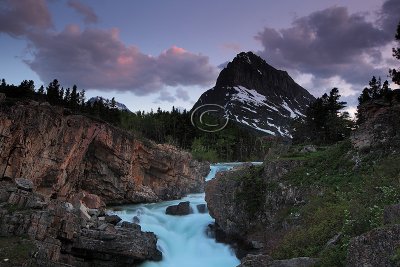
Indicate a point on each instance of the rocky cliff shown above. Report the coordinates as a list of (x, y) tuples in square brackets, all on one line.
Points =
[(66, 155), (380, 129), (247, 204), (258, 96), (38, 231)]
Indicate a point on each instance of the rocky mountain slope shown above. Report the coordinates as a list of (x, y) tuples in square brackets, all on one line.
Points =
[(256, 95), (65, 154)]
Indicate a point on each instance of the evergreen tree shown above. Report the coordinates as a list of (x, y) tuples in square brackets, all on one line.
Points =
[(27, 85), (67, 96), (395, 74), (324, 122), (376, 90), (41, 90), (82, 97), (53, 92), (113, 103), (74, 99)]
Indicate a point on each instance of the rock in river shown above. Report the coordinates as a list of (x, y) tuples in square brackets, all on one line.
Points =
[(182, 208)]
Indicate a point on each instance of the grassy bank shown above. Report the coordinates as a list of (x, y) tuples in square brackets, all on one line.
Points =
[(352, 200)]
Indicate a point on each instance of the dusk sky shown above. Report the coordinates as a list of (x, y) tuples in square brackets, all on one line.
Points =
[(159, 53)]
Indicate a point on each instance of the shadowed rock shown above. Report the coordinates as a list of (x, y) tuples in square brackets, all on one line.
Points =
[(113, 219), (202, 208), (182, 208)]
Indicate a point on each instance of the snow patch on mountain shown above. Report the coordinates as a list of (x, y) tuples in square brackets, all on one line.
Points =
[(118, 105)]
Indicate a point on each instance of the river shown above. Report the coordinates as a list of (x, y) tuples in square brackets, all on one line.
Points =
[(182, 239)]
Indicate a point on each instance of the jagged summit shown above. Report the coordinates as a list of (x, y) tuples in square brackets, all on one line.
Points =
[(257, 95)]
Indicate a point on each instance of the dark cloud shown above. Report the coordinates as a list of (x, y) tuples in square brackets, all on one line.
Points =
[(390, 16), (332, 42), (88, 13), (182, 94), (18, 17), (95, 58)]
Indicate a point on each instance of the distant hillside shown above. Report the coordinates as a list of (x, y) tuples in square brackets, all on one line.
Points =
[(118, 105)]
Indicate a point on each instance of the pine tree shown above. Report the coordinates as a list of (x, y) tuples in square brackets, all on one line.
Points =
[(395, 74), (41, 90), (67, 96), (324, 122), (113, 103), (74, 99), (53, 92), (82, 97)]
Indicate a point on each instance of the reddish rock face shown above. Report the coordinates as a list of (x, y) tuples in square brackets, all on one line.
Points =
[(65, 155)]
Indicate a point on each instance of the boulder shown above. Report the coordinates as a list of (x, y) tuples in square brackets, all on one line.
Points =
[(113, 219), (202, 208), (374, 248), (84, 212), (24, 184), (130, 225), (92, 201), (308, 149), (391, 214), (182, 208), (136, 219)]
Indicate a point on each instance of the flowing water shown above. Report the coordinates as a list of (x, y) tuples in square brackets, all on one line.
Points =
[(182, 239)]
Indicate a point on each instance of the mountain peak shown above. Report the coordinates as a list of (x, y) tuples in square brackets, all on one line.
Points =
[(251, 59), (257, 95), (118, 105)]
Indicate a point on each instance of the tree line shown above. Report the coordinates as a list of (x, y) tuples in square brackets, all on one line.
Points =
[(174, 127)]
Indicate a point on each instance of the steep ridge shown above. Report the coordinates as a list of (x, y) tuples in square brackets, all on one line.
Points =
[(257, 95), (66, 154)]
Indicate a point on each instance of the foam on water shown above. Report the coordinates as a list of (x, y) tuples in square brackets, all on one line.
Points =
[(182, 239)]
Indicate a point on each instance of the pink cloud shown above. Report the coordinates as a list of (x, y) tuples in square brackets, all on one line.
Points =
[(96, 58)]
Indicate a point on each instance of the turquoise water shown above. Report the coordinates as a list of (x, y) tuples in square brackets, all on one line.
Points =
[(182, 239)]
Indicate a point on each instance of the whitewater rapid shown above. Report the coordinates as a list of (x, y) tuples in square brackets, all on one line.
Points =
[(182, 239)]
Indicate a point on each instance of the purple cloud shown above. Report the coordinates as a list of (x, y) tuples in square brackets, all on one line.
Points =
[(88, 13), (20, 17), (95, 58), (332, 42)]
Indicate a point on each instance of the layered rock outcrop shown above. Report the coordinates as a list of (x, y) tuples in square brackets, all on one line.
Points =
[(66, 155), (380, 130), (250, 217), (65, 234)]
